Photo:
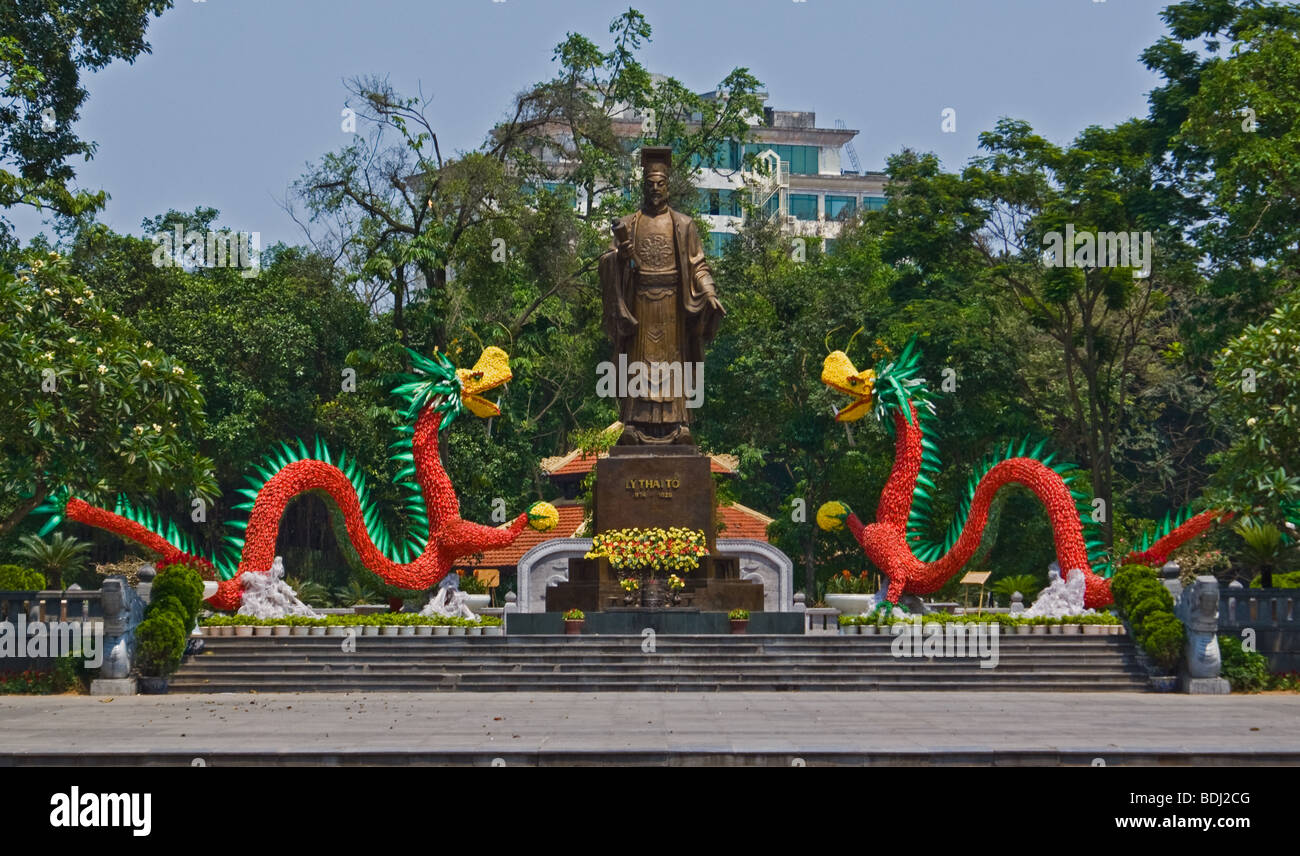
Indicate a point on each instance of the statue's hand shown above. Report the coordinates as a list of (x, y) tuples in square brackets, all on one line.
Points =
[(713, 301), (624, 249)]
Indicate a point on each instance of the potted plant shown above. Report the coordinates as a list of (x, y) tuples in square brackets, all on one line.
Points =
[(476, 592), (573, 621), (1038, 626), (1022, 626), (631, 590), (317, 628), (262, 629), (494, 629), (390, 628), (850, 594), (675, 586), (423, 629), (243, 627), (457, 626), (442, 629), (739, 619), (848, 625), (1070, 625)]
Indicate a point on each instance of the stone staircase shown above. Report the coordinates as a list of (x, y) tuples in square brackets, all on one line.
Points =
[(617, 663)]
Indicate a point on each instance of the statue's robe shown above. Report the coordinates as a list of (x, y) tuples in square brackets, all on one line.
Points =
[(678, 325)]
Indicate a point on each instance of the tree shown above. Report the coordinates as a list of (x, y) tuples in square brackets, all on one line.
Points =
[(1258, 377), (86, 403), (44, 47)]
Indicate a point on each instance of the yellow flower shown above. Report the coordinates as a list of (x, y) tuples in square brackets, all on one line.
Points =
[(831, 516), (543, 517)]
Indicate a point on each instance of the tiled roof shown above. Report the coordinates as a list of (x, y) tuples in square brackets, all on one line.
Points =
[(743, 522), (571, 518)]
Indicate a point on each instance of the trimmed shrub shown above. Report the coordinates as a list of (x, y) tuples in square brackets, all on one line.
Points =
[(160, 643), (18, 578), (1247, 671), (1163, 636), (1148, 606), (185, 585)]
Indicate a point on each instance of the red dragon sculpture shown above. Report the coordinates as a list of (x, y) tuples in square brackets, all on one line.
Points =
[(896, 542), (436, 534)]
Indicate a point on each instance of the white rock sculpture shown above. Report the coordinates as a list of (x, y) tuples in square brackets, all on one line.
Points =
[(269, 596), (1060, 598), (449, 603)]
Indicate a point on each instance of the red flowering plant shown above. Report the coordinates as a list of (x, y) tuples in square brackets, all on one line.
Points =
[(846, 583)]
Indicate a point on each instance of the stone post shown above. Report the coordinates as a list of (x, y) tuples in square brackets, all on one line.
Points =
[(1197, 607), (123, 610), (1017, 602)]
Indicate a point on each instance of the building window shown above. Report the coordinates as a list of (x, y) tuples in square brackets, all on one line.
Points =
[(719, 202), (803, 206), (718, 242), (873, 203), (802, 159), (840, 205)]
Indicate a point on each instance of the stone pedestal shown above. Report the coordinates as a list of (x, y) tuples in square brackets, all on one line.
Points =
[(113, 687), (656, 486)]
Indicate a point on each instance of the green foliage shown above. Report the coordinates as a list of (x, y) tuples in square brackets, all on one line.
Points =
[(738, 615), (184, 584), (1149, 607), (471, 584), (1291, 580), (1247, 671), (44, 48), (62, 556), (1258, 378), (160, 643), (1027, 584), (86, 403), (18, 578), (1162, 637)]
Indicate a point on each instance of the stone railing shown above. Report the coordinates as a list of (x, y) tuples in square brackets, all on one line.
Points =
[(1270, 617)]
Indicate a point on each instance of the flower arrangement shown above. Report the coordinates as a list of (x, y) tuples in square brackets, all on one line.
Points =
[(676, 549), (676, 583), (630, 584), (738, 615), (575, 615), (846, 583)]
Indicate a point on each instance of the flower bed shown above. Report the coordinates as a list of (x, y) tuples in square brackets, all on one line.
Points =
[(1002, 618)]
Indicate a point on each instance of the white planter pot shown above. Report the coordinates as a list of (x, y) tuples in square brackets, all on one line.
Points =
[(477, 602), (1023, 629), (406, 630), (848, 630), (475, 631), (850, 604), (300, 630), (317, 630), (336, 630), (441, 630), (868, 629), (1119, 630), (1038, 629), (280, 629), (1070, 629), (1093, 630), (370, 630), (391, 629), (243, 629), (1054, 630), (423, 629), (260, 630), (457, 631), (492, 631)]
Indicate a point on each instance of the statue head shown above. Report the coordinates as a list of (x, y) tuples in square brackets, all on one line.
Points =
[(656, 166)]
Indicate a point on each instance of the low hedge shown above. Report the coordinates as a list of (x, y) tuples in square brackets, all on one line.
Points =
[(1246, 671), (1149, 607), (1002, 618), (380, 619)]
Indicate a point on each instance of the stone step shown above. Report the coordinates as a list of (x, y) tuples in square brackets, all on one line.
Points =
[(610, 663), (673, 684)]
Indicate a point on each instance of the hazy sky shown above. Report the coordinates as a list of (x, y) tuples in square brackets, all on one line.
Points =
[(239, 95)]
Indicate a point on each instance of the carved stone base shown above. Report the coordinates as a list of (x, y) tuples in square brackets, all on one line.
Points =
[(113, 686), (715, 586), (1206, 686)]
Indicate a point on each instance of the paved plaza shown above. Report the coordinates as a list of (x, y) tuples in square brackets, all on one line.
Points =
[(652, 728)]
